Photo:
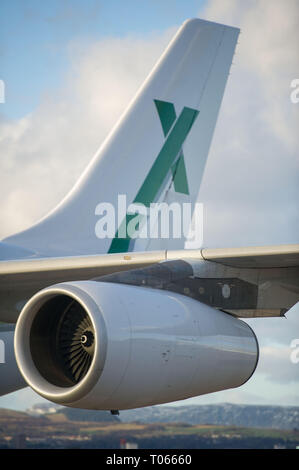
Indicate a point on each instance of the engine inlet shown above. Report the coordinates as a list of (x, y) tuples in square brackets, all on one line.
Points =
[(62, 341)]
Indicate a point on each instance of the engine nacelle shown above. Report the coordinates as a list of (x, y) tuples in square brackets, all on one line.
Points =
[(108, 346), (10, 377)]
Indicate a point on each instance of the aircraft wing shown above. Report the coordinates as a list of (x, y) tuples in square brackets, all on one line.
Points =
[(268, 277), (74, 267), (78, 267), (284, 256)]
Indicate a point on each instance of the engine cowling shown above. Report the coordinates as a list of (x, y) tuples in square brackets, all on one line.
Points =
[(99, 345), (10, 377)]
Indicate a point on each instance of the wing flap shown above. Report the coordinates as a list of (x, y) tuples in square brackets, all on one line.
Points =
[(284, 256)]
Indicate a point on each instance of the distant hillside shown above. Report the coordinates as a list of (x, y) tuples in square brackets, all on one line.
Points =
[(251, 416), (56, 431)]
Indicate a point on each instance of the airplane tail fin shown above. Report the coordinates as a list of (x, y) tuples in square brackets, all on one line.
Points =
[(155, 153)]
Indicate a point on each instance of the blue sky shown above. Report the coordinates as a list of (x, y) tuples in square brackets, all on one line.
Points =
[(48, 137), (35, 38)]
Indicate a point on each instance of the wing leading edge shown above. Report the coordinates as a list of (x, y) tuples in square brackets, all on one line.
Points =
[(273, 272)]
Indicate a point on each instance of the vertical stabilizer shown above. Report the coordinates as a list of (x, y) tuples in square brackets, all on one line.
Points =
[(155, 153)]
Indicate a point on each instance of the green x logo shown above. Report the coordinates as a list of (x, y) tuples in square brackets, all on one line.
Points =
[(167, 117), (169, 158)]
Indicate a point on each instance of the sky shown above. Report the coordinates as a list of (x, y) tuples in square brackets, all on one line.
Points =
[(71, 67)]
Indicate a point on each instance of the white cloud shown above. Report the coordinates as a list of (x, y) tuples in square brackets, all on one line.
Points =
[(253, 165), (44, 153)]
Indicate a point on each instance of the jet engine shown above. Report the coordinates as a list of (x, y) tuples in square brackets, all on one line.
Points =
[(109, 346), (10, 377)]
